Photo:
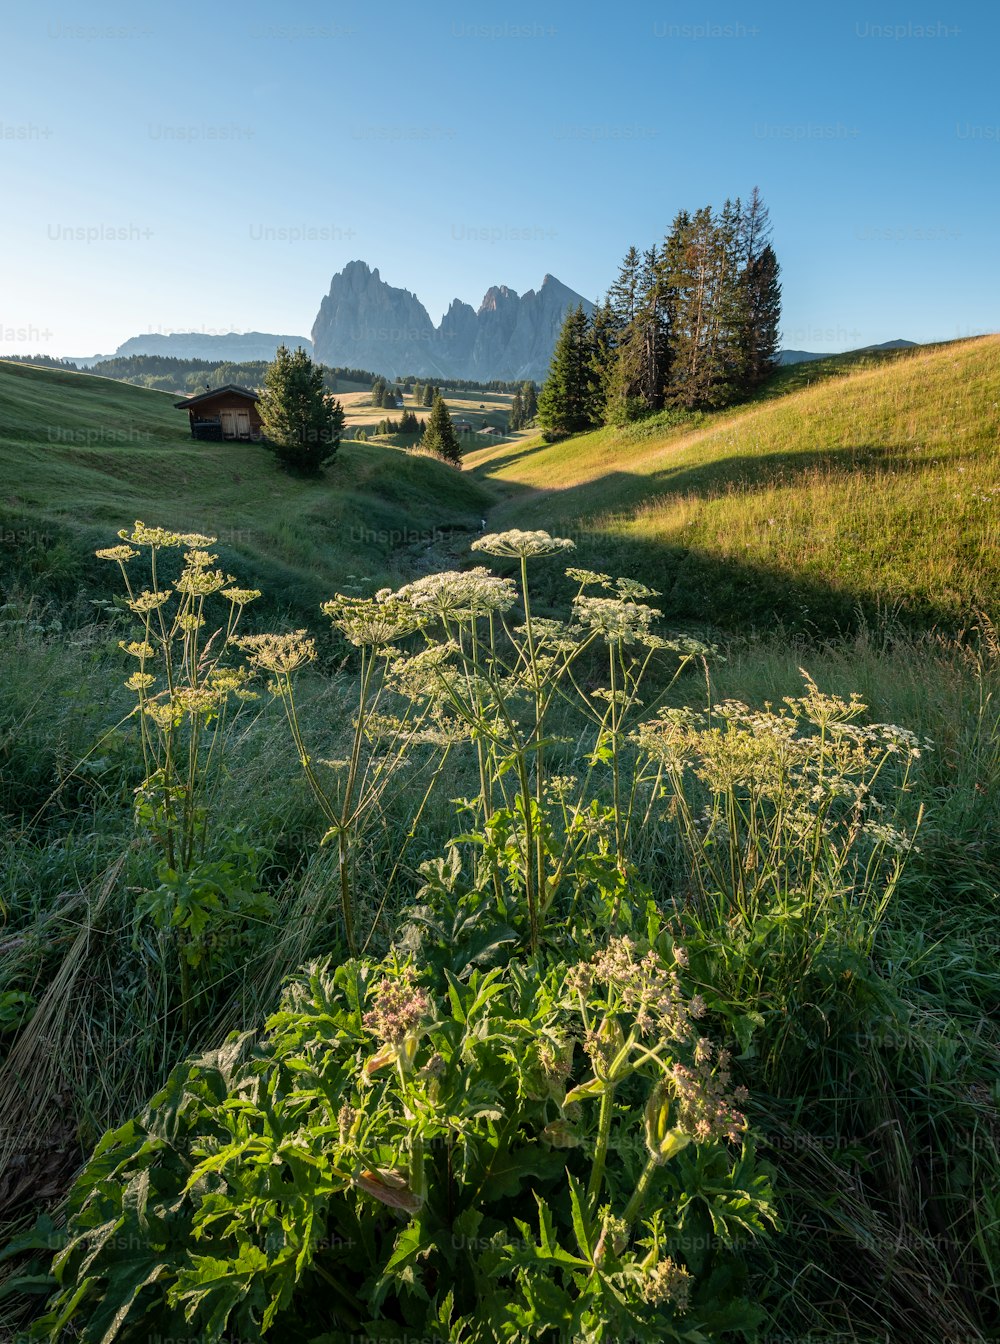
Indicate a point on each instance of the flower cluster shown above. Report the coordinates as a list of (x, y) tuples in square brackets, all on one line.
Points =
[(587, 578), (367, 621), (615, 618), (141, 535), (460, 594), (668, 1282), (553, 636), (706, 1101), (522, 545), (240, 597), (120, 553), (399, 1006), (137, 648), (642, 986), (148, 601), (280, 654), (197, 581), (186, 702)]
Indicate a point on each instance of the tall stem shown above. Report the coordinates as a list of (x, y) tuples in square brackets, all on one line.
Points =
[(601, 1152), (641, 1190), (539, 721)]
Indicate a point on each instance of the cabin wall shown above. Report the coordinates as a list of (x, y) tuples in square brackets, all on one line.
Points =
[(225, 417)]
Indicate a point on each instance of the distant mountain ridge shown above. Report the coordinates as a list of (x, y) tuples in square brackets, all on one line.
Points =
[(364, 322), (233, 347), (802, 356)]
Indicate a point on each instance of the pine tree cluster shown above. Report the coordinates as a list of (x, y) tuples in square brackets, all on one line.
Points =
[(691, 323), (408, 423), (385, 394)]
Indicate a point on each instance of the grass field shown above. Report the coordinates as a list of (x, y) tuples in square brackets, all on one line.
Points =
[(84, 454), (845, 523), (871, 484), (477, 409)]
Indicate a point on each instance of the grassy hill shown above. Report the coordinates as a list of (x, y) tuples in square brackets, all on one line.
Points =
[(868, 1039), (82, 455), (872, 485)]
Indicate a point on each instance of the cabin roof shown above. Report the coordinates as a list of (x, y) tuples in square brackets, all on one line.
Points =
[(230, 388)]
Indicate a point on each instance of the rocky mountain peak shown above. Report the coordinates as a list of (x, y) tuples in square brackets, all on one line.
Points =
[(363, 322)]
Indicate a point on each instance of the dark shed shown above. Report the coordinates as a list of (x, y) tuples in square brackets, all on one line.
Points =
[(228, 412)]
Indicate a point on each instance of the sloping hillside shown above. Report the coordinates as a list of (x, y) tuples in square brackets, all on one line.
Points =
[(876, 489), (80, 456)]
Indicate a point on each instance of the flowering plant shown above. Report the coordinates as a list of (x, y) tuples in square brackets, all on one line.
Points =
[(537, 1153)]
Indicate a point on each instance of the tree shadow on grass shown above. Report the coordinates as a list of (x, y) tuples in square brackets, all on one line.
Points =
[(698, 586)]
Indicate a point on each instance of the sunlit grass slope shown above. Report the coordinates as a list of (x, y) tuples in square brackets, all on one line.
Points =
[(81, 456), (873, 489)]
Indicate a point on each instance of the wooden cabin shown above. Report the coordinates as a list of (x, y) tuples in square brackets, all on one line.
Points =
[(228, 412)]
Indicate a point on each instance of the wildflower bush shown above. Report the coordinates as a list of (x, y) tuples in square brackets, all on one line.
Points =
[(460, 657), (531, 1154), (524, 1121)]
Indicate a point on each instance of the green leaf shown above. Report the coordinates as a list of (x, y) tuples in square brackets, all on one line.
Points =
[(581, 1227)]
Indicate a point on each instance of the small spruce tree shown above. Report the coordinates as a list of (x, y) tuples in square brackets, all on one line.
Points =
[(301, 424), (439, 433), (566, 402)]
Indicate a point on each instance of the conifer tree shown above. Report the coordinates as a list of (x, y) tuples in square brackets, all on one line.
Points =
[(428, 396), (301, 424), (566, 401), (604, 335), (638, 362), (529, 401), (762, 298), (515, 417), (623, 296), (439, 433)]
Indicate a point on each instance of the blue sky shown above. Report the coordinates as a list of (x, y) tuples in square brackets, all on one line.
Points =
[(210, 167)]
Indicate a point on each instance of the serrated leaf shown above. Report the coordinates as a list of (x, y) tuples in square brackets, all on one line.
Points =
[(581, 1228)]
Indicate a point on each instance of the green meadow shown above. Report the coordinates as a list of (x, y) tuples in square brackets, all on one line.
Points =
[(324, 933)]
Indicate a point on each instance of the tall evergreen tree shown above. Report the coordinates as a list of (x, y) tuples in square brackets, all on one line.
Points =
[(428, 396), (515, 417), (529, 401), (439, 433), (300, 423), (637, 354), (566, 401), (604, 343), (760, 296), (762, 307), (624, 294), (755, 228), (701, 279)]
